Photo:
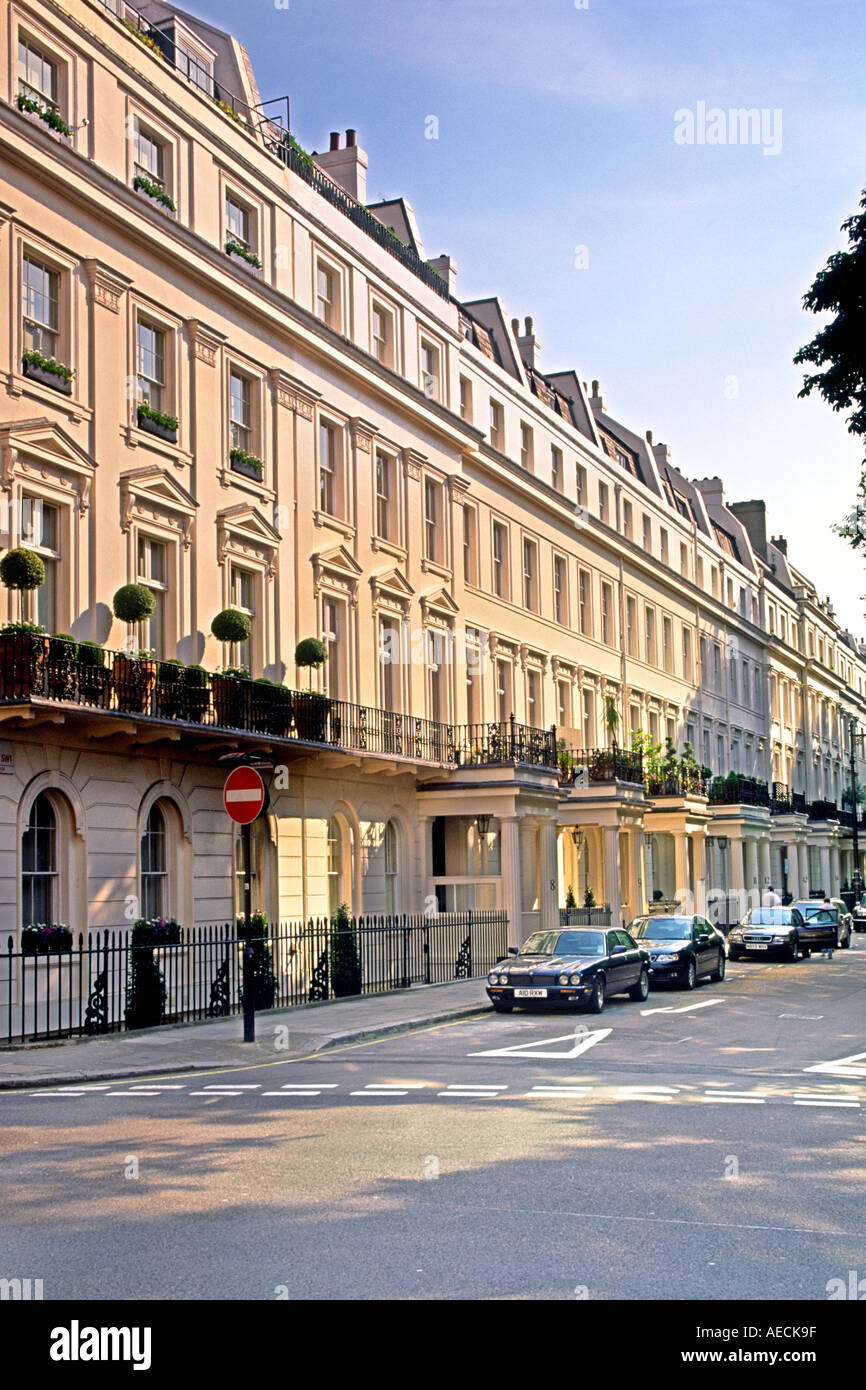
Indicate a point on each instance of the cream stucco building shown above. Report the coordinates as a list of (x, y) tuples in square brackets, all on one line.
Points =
[(333, 442)]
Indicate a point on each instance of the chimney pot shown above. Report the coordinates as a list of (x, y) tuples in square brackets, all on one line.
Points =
[(335, 139), (649, 436), (529, 328), (595, 388), (515, 327), (351, 136)]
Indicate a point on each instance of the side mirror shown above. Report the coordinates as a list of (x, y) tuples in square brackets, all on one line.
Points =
[(618, 950), (513, 951)]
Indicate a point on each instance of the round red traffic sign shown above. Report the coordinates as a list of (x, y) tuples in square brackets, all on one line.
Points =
[(244, 795)]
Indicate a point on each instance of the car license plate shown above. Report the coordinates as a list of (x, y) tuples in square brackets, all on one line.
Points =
[(530, 994), (758, 945)]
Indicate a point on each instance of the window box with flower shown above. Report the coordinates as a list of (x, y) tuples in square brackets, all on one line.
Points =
[(158, 195), (42, 939), (157, 423), (49, 114), (234, 248), (247, 464), (47, 371)]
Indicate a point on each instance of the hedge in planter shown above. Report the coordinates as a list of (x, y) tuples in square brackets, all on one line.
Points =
[(169, 688), (264, 981), (60, 670), (134, 673), (345, 954), (145, 988), (196, 692)]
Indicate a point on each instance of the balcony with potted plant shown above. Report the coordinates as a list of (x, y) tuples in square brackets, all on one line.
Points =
[(94, 677), (246, 464), (60, 667), (134, 671), (156, 422), (231, 696), (196, 693), (23, 645), (47, 371), (169, 689)]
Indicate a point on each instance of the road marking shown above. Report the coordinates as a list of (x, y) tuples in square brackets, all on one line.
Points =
[(844, 1104), (804, 1018), (217, 1095), (143, 1093), (319, 1085), (580, 1042), (370, 1092), (684, 1008), (736, 1097), (473, 1095), (647, 1092), (245, 1087), (844, 1066), (286, 1092)]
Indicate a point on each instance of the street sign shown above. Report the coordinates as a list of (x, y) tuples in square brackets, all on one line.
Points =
[(244, 795)]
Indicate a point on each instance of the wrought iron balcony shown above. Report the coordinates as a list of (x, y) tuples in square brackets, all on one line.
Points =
[(686, 782), (823, 810), (738, 791), (580, 765), (781, 799), (49, 669)]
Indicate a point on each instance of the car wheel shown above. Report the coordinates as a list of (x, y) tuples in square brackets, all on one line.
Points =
[(733, 954), (691, 979), (794, 951), (503, 1008), (719, 972), (640, 991), (596, 999)]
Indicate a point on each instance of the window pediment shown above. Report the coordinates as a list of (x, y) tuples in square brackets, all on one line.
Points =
[(392, 584), (440, 603), (34, 450), (338, 565), (243, 531)]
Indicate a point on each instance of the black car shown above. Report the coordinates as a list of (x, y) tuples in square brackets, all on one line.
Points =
[(766, 929), (681, 948), (859, 914), (824, 924), (576, 967)]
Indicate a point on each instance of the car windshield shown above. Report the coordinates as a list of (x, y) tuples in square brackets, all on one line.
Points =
[(663, 928), (768, 917), (564, 943)]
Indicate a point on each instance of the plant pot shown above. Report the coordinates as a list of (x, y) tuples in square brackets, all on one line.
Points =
[(282, 715), (23, 658), (154, 427), (262, 707), (311, 717), (169, 700), (60, 670), (247, 469), (62, 384), (134, 682), (230, 702), (196, 702), (32, 944)]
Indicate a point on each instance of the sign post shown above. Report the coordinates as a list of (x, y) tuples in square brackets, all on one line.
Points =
[(245, 799)]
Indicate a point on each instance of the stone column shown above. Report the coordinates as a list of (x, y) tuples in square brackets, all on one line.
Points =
[(699, 854), (764, 872), (549, 875), (793, 870), (682, 886), (835, 879), (804, 869), (638, 867), (511, 888), (612, 889), (826, 878)]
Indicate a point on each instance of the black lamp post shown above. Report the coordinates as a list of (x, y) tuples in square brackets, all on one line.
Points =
[(857, 881)]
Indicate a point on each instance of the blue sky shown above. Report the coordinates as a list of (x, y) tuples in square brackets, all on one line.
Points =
[(556, 131)]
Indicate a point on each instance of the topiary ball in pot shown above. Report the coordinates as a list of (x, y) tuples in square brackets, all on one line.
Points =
[(22, 569), (231, 626), (133, 603)]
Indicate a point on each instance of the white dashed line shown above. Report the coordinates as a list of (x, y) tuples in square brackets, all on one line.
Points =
[(286, 1092), (370, 1092), (236, 1087)]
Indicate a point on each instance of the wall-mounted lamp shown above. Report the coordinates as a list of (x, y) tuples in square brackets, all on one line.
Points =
[(577, 837), (482, 823)]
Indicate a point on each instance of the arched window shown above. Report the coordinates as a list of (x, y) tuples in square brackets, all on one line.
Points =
[(335, 865), (154, 865), (390, 846), (39, 864)]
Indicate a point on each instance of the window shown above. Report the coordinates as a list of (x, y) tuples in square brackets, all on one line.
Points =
[(580, 473), (714, 581), (603, 502), (730, 591), (385, 497), (556, 468), (327, 295), (583, 603), (334, 637), (430, 373), (627, 520), (466, 399), (40, 531), (705, 670), (37, 74), (631, 626), (563, 704), (150, 365), (382, 335), (154, 862), (152, 573), (39, 864), (720, 753), (732, 680), (470, 545), (688, 669), (437, 695), (533, 699), (650, 625), (335, 866), (500, 560), (390, 858), (238, 223), (39, 296), (588, 719), (560, 593), (647, 535), (663, 544), (330, 480), (240, 412), (196, 69), (473, 675), (699, 575), (684, 561), (389, 658), (717, 666), (526, 447), (433, 520), (504, 696), (497, 428), (654, 726), (530, 575), (243, 598), (667, 645), (607, 615), (148, 155)]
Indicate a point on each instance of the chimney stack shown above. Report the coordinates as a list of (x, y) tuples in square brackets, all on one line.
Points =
[(528, 344), (446, 269), (347, 167), (661, 453), (596, 400)]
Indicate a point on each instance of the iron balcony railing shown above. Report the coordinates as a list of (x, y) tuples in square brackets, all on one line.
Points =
[(686, 782), (107, 982), (302, 164), (49, 668), (584, 916), (196, 74), (578, 766), (781, 799), (823, 810), (739, 791)]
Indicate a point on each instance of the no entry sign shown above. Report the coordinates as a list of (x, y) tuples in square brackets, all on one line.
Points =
[(244, 795)]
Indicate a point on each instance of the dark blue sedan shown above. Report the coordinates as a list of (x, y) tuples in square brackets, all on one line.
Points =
[(573, 968)]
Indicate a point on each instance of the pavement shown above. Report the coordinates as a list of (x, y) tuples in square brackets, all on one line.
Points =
[(280, 1034)]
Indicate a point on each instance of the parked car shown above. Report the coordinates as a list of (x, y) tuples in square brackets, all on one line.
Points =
[(682, 949), (573, 968), (765, 929), (859, 914), (823, 925)]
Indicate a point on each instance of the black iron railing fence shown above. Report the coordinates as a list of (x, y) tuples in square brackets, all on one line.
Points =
[(687, 782), (577, 765), (106, 984), (584, 916), (48, 668), (742, 791)]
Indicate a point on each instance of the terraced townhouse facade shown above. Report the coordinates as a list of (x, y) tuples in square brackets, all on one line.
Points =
[(490, 556)]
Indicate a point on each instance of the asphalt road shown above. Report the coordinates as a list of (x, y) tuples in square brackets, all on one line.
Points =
[(681, 1149)]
